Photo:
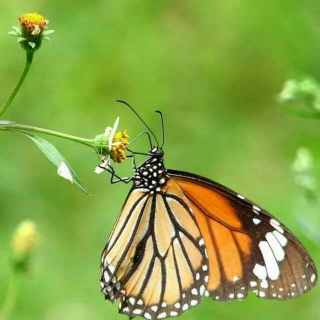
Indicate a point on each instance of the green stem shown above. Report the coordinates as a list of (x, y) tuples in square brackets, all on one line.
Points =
[(10, 300), (21, 127), (29, 57)]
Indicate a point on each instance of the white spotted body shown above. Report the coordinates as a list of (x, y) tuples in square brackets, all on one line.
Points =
[(151, 175)]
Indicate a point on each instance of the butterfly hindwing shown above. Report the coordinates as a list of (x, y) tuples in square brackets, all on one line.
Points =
[(155, 259)]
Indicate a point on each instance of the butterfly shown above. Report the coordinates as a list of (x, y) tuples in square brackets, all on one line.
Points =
[(180, 237)]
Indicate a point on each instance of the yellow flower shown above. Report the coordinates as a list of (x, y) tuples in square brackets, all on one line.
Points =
[(119, 142), (25, 238), (31, 32), (33, 22), (111, 145)]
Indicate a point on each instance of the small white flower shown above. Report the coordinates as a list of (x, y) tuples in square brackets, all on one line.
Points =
[(64, 172)]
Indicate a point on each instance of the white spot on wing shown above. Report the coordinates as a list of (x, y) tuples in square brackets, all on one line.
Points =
[(256, 208), (194, 302), (202, 290), (253, 283), (162, 315), (240, 196), (260, 271), (270, 261), (313, 278), (256, 221), (276, 225), (281, 238), (275, 246), (264, 284), (106, 276), (147, 316), (111, 268), (137, 311)]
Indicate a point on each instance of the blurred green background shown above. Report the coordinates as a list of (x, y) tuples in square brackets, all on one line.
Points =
[(214, 68)]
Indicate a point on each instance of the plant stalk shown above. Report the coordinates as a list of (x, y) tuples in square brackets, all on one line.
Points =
[(29, 58), (10, 300), (21, 127)]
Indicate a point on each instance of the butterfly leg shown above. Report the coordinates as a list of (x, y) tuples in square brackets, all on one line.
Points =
[(113, 174), (133, 161)]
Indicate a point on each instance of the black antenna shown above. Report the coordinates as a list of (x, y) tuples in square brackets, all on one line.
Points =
[(162, 127), (135, 112), (140, 134)]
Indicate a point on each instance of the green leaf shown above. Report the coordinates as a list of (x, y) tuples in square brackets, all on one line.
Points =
[(21, 39), (50, 151), (16, 28), (47, 32), (14, 33)]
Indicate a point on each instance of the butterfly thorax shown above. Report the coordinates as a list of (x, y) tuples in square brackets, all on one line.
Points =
[(151, 174)]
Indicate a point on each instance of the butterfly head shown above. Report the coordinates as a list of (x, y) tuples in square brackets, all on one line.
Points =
[(156, 153)]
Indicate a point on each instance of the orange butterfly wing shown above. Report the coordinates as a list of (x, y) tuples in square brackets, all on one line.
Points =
[(248, 249), (154, 260)]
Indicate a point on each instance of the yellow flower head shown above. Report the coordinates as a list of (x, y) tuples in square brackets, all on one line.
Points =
[(31, 32), (119, 143), (111, 145), (33, 22), (25, 238)]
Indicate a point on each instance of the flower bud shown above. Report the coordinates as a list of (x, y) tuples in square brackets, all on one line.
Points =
[(111, 145), (24, 241), (32, 30)]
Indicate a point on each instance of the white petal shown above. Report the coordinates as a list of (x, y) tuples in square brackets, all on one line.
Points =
[(36, 31), (64, 171), (107, 132), (99, 169), (113, 131)]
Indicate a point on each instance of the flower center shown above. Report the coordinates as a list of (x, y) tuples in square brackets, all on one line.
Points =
[(30, 21)]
